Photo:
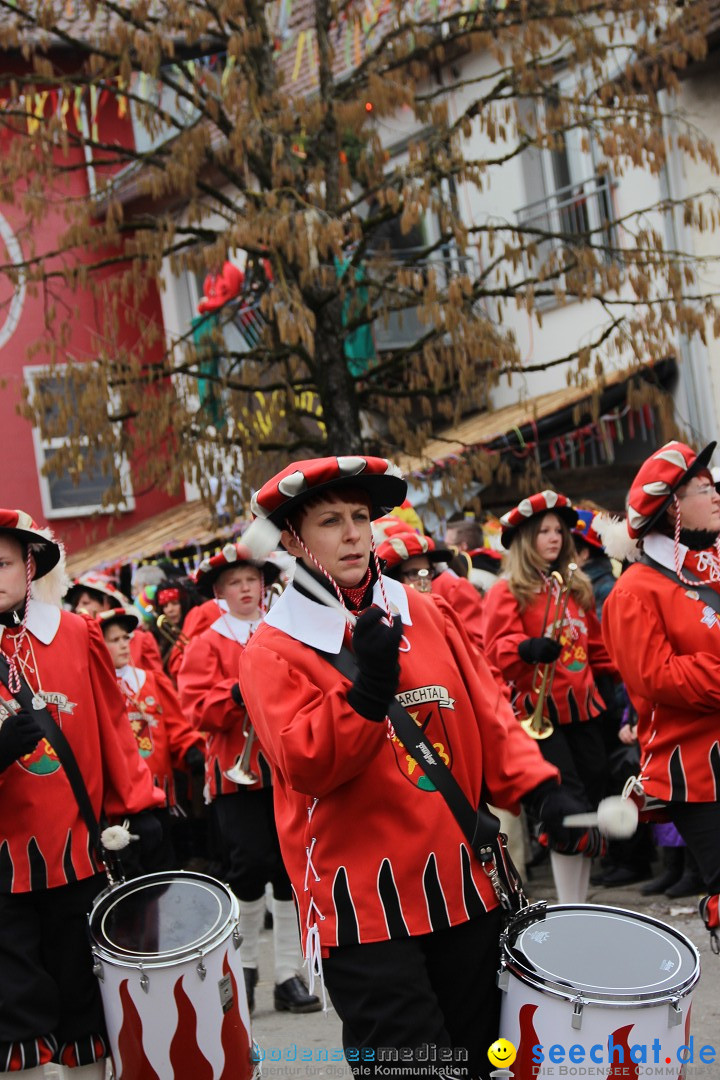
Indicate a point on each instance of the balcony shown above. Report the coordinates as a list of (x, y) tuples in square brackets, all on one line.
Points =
[(577, 216)]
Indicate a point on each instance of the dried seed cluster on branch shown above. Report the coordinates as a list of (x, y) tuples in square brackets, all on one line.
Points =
[(343, 151)]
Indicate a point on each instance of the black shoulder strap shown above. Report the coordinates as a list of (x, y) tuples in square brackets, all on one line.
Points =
[(711, 598), (479, 826), (62, 748)]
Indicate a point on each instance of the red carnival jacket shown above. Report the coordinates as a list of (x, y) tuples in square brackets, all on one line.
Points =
[(205, 680), (44, 842), (161, 730), (665, 641), (574, 694), (372, 849), (465, 600)]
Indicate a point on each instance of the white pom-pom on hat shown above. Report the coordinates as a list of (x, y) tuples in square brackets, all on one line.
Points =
[(615, 538)]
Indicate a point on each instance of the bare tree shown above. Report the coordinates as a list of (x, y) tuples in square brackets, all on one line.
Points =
[(264, 134)]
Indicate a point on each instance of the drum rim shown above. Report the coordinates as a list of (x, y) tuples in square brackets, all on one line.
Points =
[(126, 958), (560, 989)]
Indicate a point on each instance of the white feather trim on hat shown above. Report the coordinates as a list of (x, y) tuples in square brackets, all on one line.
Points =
[(616, 540), (51, 588)]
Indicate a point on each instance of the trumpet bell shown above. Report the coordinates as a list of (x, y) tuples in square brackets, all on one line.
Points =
[(238, 775), (537, 729)]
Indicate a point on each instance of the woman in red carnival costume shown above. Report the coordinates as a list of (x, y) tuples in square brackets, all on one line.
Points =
[(49, 873), (521, 612), (661, 624), (395, 908)]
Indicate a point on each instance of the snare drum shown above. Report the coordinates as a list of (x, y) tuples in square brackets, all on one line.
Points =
[(166, 952), (591, 978)]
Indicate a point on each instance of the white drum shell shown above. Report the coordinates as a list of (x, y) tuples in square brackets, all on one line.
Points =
[(543, 1013), (190, 1010)]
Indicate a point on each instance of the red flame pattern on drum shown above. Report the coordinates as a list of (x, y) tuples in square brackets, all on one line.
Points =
[(135, 1066), (683, 1071), (186, 1057), (622, 1065), (525, 1067), (234, 1038)]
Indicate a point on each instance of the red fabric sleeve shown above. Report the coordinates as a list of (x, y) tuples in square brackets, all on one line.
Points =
[(512, 762), (181, 735), (598, 656), (503, 631), (204, 686), (647, 662), (465, 601), (144, 651), (309, 729)]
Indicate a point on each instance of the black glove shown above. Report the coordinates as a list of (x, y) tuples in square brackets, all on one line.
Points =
[(19, 735), (149, 832), (195, 761), (236, 695), (539, 650), (376, 648), (550, 803)]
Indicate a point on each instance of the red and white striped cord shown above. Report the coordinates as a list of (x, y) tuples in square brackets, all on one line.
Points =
[(14, 682)]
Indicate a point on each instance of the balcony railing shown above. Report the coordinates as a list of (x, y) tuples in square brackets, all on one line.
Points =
[(579, 215)]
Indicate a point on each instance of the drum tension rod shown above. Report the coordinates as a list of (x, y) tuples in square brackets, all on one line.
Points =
[(578, 1006)]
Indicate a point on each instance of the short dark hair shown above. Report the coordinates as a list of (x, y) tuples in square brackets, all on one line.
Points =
[(468, 531)]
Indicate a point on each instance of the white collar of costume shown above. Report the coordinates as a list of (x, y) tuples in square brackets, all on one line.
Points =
[(234, 629), (42, 622), (662, 550), (134, 677), (323, 627)]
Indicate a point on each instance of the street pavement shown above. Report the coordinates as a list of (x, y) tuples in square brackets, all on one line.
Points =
[(286, 1039)]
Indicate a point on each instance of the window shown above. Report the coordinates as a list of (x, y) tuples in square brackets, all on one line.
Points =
[(570, 199), (81, 489)]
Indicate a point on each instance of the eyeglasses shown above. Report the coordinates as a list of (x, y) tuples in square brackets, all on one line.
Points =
[(706, 489), (418, 579)]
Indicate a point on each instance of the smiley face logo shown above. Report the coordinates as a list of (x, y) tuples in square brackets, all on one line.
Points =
[(502, 1053)]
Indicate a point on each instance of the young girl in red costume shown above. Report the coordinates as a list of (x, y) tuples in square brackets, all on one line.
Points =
[(522, 636), (395, 907), (661, 624)]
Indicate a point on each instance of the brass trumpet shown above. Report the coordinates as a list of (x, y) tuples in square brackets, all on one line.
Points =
[(172, 633), (537, 725), (241, 773)]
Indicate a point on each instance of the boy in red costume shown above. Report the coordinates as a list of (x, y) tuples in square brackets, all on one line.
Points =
[(661, 624), (239, 779), (165, 738), (393, 904), (49, 874)]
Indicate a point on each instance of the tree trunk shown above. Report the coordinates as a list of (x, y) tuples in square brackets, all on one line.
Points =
[(335, 384)]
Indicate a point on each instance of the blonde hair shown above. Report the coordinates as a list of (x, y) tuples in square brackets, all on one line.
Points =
[(523, 568)]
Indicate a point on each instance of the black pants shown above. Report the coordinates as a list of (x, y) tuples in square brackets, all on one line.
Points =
[(578, 752), (699, 826), (47, 986), (250, 846), (423, 994)]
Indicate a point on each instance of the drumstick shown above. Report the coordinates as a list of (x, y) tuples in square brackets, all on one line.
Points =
[(615, 817), (261, 537)]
